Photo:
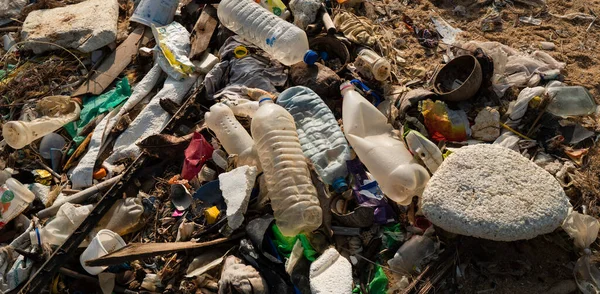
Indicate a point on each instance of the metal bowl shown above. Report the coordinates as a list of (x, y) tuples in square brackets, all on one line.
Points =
[(459, 80)]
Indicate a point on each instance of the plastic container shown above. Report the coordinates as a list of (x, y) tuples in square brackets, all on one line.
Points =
[(321, 137), (232, 135), (157, 12), (293, 196), (379, 66), (105, 242), (390, 163), (284, 41), (19, 134), (51, 142), (424, 149), (570, 101), (14, 199)]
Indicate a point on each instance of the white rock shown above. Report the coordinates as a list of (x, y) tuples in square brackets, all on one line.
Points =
[(236, 186), (86, 26), (331, 273), (491, 192), (487, 125)]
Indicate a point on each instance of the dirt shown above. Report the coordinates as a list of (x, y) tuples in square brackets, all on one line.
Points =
[(574, 45)]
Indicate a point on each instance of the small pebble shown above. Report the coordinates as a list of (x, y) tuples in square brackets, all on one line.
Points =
[(547, 45)]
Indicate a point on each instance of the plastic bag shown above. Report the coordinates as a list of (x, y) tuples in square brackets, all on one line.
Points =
[(57, 230), (584, 230), (173, 48), (414, 253), (443, 123), (124, 217)]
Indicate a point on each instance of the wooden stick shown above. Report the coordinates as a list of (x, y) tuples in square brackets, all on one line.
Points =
[(137, 251)]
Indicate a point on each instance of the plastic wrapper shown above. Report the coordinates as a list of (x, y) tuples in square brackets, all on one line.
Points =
[(14, 268), (124, 217), (584, 230), (368, 193), (443, 123), (173, 48)]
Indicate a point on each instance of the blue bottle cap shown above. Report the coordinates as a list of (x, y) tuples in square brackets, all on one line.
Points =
[(311, 57), (339, 185)]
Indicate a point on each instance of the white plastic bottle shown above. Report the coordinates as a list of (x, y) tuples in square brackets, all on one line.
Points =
[(19, 134), (284, 41), (379, 66), (386, 157), (232, 135), (293, 196), (14, 198), (321, 137)]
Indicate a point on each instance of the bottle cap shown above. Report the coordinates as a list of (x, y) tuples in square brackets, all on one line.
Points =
[(311, 57), (339, 185)]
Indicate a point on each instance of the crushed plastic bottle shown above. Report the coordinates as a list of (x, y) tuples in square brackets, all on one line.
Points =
[(570, 101), (379, 67), (14, 198), (322, 140), (19, 134), (284, 41), (232, 135), (386, 157), (292, 193)]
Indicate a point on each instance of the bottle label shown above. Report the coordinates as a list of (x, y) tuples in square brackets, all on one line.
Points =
[(9, 209)]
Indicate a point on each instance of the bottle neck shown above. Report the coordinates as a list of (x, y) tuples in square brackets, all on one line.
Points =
[(265, 100)]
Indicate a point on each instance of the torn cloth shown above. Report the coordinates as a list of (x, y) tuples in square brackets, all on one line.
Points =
[(230, 77)]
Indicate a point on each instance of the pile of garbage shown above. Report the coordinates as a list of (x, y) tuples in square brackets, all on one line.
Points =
[(242, 146)]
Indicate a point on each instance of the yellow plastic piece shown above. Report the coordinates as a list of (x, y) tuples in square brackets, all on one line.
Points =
[(212, 214)]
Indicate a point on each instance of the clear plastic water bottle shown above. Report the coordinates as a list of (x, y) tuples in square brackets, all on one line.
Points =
[(19, 134), (231, 134), (386, 157), (284, 41), (293, 196), (321, 137), (379, 67)]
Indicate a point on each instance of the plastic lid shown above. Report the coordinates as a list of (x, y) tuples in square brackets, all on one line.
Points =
[(311, 57), (339, 185)]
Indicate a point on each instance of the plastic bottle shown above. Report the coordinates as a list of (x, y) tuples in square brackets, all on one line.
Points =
[(14, 198), (232, 135), (284, 41), (570, 101), (390, 163), (293, 196), (321, 137), (19, 134), (379, 66)]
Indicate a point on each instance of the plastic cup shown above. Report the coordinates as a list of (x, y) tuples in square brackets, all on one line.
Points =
[(105, 242), (157, 12)]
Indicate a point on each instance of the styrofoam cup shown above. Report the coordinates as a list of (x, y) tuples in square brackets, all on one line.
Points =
[(105, 242), (157, 12)]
